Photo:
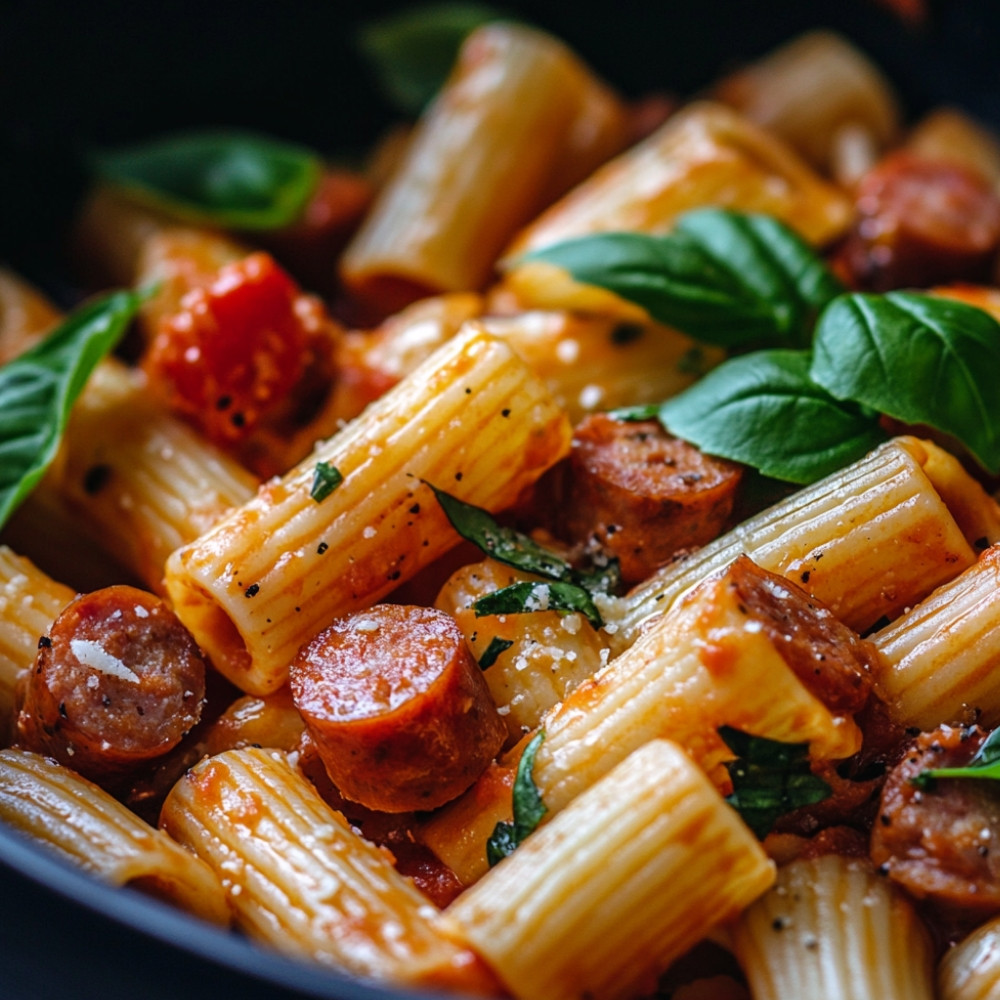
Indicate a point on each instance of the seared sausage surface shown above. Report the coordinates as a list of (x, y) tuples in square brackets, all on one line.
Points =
[(397, 706), (942, 843), (117, 682), (642, 494), (921, 222)]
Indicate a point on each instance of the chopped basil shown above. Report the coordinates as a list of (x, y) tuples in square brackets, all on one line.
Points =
[(723, 277), (528, 595), (769, 779), (513, 548), (412, 52), (919, 359), (493, 650), (38, 390), (763, 409), (238, 180), (529, 809), (984, 764), (326, 479)]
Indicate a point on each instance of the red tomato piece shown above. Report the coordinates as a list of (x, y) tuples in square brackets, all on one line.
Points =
[(233, 351)]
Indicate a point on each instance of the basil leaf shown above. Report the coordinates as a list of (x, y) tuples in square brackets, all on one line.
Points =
[(984, 764), (528, 595), (38, 389), (769, 779), (529, 809), (326, 479), (493, 650), (413, 52), (764, 410), (238, 180), (513, 548), (919, 359), (723, 277)]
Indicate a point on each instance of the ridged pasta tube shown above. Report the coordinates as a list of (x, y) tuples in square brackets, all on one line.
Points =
[(868, 541), (484, 160), (831, 927), (598, 902), (84, 825), (298, 878), (30, 600), (971, 970), (939, 659), (471, 420)]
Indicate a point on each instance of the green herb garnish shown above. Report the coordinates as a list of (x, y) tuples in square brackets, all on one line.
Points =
[(326, 479), (412, 52), (238, 180), (529, 809), (493, 650), (39, 387), (828, 363), (984, 764), (529, 595), (769, 779), (513, 548), (763, 409), (722, 277)]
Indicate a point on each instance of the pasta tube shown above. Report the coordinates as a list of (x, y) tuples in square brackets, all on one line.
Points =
[(704, 155), (938, 660), (971, 970), (30, 601), (87, 827), (482, 162), (273, 573), (830, 927), (25, 315), (298, 878), (809, 89), (143, 481), (723, 656), (603, 898), (867, 541)]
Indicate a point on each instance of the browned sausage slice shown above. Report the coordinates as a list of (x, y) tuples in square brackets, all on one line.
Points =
[(921, 222), (397, 706), (942, 843), (643, 495), (117, 682), (827, 657)]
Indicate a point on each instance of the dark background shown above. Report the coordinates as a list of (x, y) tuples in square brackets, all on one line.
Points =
[(77, 74)]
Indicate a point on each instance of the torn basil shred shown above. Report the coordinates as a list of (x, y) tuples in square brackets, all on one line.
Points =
[(528, 808)]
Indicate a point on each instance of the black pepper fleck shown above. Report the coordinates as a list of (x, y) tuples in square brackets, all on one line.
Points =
[(321, 548), (252, 590), (96, 478), (44, 642)]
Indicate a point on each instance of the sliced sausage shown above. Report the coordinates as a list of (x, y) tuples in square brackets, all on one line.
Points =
[(921, 222), (942, 843), (644, 495), (827, 657), (117, 682), (397, 706)]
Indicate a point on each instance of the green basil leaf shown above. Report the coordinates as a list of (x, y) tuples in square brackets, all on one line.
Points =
[(919, 359), (528, 595), (326, 478), (984, 764), (764, 410), (493, 650), (529, 809), (513, 548), (238, 180), (723, 277), (769, 779), (412, 52), (38, 389)]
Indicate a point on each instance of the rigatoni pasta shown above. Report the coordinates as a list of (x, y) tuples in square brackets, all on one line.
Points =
[(270, 575)]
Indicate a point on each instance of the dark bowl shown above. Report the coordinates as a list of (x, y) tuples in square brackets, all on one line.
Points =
[(75, 75)]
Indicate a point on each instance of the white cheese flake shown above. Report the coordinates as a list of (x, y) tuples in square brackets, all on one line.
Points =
[(92, 654)]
